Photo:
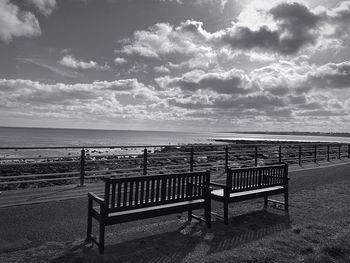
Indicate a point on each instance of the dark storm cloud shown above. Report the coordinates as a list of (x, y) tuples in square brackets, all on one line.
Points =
[(245, 38), (326, 113), (310, 106), (230, 82), (255, 105), (278, 90), (259, 102), (295, 29), (331, 76), (297, 99)]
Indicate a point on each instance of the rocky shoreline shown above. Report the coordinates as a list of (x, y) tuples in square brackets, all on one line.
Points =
[(159, 160)]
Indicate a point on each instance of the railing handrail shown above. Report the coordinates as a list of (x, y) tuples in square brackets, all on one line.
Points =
[(254, 154), (272, 143)]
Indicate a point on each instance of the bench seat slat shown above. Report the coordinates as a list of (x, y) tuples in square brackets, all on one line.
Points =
[(220, 192), (151, 208)]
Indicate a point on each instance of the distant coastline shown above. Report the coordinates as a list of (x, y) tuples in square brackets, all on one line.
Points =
[(330, 134)]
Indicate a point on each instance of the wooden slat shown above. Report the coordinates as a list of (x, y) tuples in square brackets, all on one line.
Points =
[(142, 192), (137, 192), (125, 192), (250, 179), (147, 191), (260, 178), (119, 194), (153, 189), (196, 188), (131, 193), (256, 177), (157, 189), (201, 180), (183, 187), (186, 188), (113, 196), (234, 186), (107, 193), (169, 187), (240, 180), (174, 187)]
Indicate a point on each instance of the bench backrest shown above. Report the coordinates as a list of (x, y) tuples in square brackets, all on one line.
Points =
[(245, 179), (129, 193)]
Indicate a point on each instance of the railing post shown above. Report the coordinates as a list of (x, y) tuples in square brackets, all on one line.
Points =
[(328, 152), (145, 161), (256, 155), (315, 160), (226, 158), (191, 159), (299, 155), (280, 154), (82, 167), (339, 151)]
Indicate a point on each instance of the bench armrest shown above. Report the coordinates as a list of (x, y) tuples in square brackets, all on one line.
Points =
[(218, 185), (95, 198)]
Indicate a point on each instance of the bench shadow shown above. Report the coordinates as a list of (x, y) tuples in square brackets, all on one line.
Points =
[(246, 228), (165, 247), (175, 246)]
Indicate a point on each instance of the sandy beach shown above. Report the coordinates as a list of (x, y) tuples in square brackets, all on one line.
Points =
[(316, 230)]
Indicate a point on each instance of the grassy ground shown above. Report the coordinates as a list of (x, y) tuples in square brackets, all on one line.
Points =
[(317, 229)]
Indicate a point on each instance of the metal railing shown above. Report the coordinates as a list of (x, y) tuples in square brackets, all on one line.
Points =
[(94, 162)]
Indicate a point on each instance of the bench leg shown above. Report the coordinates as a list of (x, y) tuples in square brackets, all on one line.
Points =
[(286, 201), (189, 215), (208, 213), (225, 213), (101, 242), (89, 222), (265, 201)]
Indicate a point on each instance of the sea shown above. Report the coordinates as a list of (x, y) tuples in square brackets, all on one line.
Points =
[(51, 137)]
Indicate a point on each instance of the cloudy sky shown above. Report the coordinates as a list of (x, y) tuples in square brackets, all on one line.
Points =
[(199, 65)]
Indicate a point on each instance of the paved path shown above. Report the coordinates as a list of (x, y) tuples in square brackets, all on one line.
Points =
[(31, 225), (66, 192)]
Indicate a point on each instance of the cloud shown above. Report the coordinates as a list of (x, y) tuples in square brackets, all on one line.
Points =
[(331, 76), (261, 33), (98, 97), (44, 6), (16, 23), (295, 27), (221, 3), (175, 1), (341, 12), (231, 82), (137, 68), (72, 62), (163, 39), (119, 61), (161, 69), (265, 95)]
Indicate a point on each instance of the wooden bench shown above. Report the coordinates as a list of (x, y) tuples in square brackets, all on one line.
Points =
[(248, 183), (134, 198)]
